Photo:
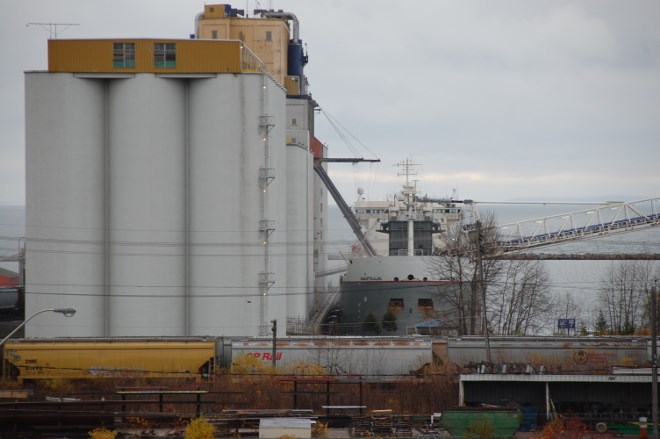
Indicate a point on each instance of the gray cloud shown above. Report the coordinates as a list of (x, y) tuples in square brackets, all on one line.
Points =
[(505, 99)]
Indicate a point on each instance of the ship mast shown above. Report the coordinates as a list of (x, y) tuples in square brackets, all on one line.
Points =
[(409, 194)]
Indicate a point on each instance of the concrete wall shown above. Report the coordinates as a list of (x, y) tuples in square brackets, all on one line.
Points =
[(144, 204)]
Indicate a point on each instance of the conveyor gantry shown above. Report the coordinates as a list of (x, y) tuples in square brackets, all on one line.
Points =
[(610, 218), (343, 206)]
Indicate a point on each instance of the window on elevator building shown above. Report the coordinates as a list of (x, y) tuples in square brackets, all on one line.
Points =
[(123, 55), (165, 55)]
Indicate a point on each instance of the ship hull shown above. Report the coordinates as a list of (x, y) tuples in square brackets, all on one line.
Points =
[(392, 295)]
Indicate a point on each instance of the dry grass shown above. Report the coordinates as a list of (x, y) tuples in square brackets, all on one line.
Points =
[(428, 392)]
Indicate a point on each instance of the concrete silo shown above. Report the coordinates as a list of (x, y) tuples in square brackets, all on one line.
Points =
[(65, 209), (236, 204), (146, 129), (299, 202)]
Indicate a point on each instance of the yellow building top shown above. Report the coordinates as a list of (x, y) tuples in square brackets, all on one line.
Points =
[(268, 37), (151, 56)]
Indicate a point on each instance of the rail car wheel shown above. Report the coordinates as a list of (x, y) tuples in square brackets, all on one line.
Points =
[(601, 427)]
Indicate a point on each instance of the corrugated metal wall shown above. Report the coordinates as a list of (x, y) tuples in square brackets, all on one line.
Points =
[(192, 56)]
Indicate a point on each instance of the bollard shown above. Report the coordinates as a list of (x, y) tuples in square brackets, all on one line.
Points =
[(643, 428)]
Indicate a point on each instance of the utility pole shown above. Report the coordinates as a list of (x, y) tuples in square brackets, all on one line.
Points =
[(654, 359), (274, 353), (482, 287)]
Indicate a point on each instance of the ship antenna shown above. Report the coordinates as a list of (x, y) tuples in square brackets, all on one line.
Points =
[(408, 170), (409, 193)]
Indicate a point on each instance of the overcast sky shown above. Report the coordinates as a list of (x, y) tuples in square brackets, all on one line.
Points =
[(499, 100)]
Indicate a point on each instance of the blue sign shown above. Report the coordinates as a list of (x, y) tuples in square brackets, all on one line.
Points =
[(566, 323)]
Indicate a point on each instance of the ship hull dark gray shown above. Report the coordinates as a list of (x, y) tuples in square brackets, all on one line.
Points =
[(392, 308)]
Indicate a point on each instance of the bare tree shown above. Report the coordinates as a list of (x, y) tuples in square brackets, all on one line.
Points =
[(647, 275), (520, 302), (567, 307), (516, 293), (461, 297), (464, 261), (624, 294)]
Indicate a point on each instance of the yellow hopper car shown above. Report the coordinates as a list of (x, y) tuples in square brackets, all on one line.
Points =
[(32, 359)]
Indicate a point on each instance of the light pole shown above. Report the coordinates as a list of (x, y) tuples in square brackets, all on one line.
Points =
[(68, 312), (654, 359), (274, 359)]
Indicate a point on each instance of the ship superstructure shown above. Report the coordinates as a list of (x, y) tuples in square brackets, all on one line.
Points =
[(397, 284), (406, 224)]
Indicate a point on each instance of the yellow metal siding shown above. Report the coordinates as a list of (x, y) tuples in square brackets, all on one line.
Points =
[(273, 53), (96, 56), (80, 56), (98, 359), (214, 11), (208, 56), (292, 85)]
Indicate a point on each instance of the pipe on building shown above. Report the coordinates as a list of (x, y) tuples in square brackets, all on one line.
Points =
[(286, 15), (197, 18)]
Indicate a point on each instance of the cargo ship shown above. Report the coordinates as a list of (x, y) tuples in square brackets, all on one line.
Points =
[(397, 291)]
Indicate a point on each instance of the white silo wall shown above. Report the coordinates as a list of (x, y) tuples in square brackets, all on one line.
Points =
[(147, 126), (159, 163), (226, 205), (64, 203), (299, 233), (320, 218)]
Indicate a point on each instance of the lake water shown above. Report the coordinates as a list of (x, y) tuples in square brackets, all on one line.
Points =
[(12, 227)]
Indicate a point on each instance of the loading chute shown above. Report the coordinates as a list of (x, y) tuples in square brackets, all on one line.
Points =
[(341, 203)]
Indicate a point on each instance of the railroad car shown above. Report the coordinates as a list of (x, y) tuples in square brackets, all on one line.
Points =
[(555, 354), (357, 356), (72, 358), (11, 302), (198, 357)]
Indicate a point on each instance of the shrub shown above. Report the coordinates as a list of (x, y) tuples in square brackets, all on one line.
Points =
[(246, 364), (102, 433), (199, 428), (305, 368), (320, 430)]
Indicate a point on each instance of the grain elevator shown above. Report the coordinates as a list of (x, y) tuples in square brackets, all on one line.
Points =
[(170, 183)]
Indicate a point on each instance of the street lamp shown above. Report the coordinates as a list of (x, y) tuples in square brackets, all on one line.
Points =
[(68, 312), (654, 359)]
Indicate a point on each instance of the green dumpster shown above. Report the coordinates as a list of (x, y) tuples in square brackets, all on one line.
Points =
[(505, 421)]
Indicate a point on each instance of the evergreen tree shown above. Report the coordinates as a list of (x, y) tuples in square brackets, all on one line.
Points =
[(601, 324), (388, 323), (583, 329), (370, 324)]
